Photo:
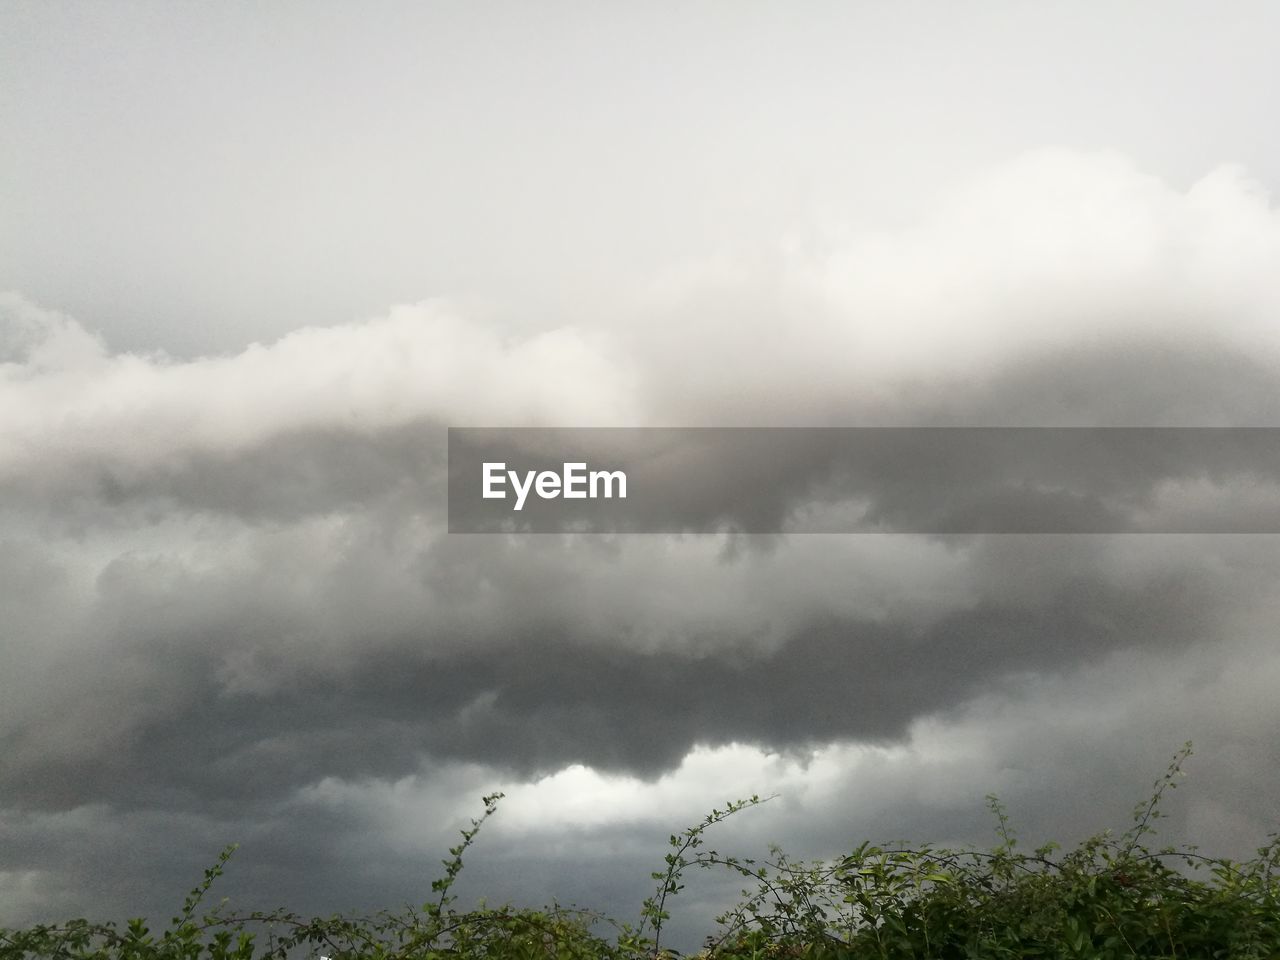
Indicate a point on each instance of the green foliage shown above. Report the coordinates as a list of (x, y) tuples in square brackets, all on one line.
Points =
[(437, 930), (1110, 897)]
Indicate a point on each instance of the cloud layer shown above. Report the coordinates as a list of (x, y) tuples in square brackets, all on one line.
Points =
[(232, 611)]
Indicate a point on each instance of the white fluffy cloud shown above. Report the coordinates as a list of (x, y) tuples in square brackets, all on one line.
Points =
[(1056, 250), (65, 396)]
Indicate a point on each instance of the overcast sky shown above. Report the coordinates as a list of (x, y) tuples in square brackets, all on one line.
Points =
[(257, 258)]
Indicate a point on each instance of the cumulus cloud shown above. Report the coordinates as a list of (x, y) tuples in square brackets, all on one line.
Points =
[(1055, 253), (65, 397)]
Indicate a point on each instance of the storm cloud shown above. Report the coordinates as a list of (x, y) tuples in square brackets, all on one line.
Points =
[(232, 609)]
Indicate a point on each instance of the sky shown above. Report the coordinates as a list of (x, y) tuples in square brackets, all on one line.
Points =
[(256, 259)]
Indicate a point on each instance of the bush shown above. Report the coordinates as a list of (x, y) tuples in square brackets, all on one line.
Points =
[(1110, 897)]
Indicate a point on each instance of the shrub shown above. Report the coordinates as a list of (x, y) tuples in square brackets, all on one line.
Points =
[(1110, 897)]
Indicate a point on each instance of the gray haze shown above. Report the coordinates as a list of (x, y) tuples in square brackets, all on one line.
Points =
[(258, 259)]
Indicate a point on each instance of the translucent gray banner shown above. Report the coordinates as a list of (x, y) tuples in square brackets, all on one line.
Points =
[(943, 480)]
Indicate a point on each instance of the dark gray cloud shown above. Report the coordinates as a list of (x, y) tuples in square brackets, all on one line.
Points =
[(198, 652), (535, 698)]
